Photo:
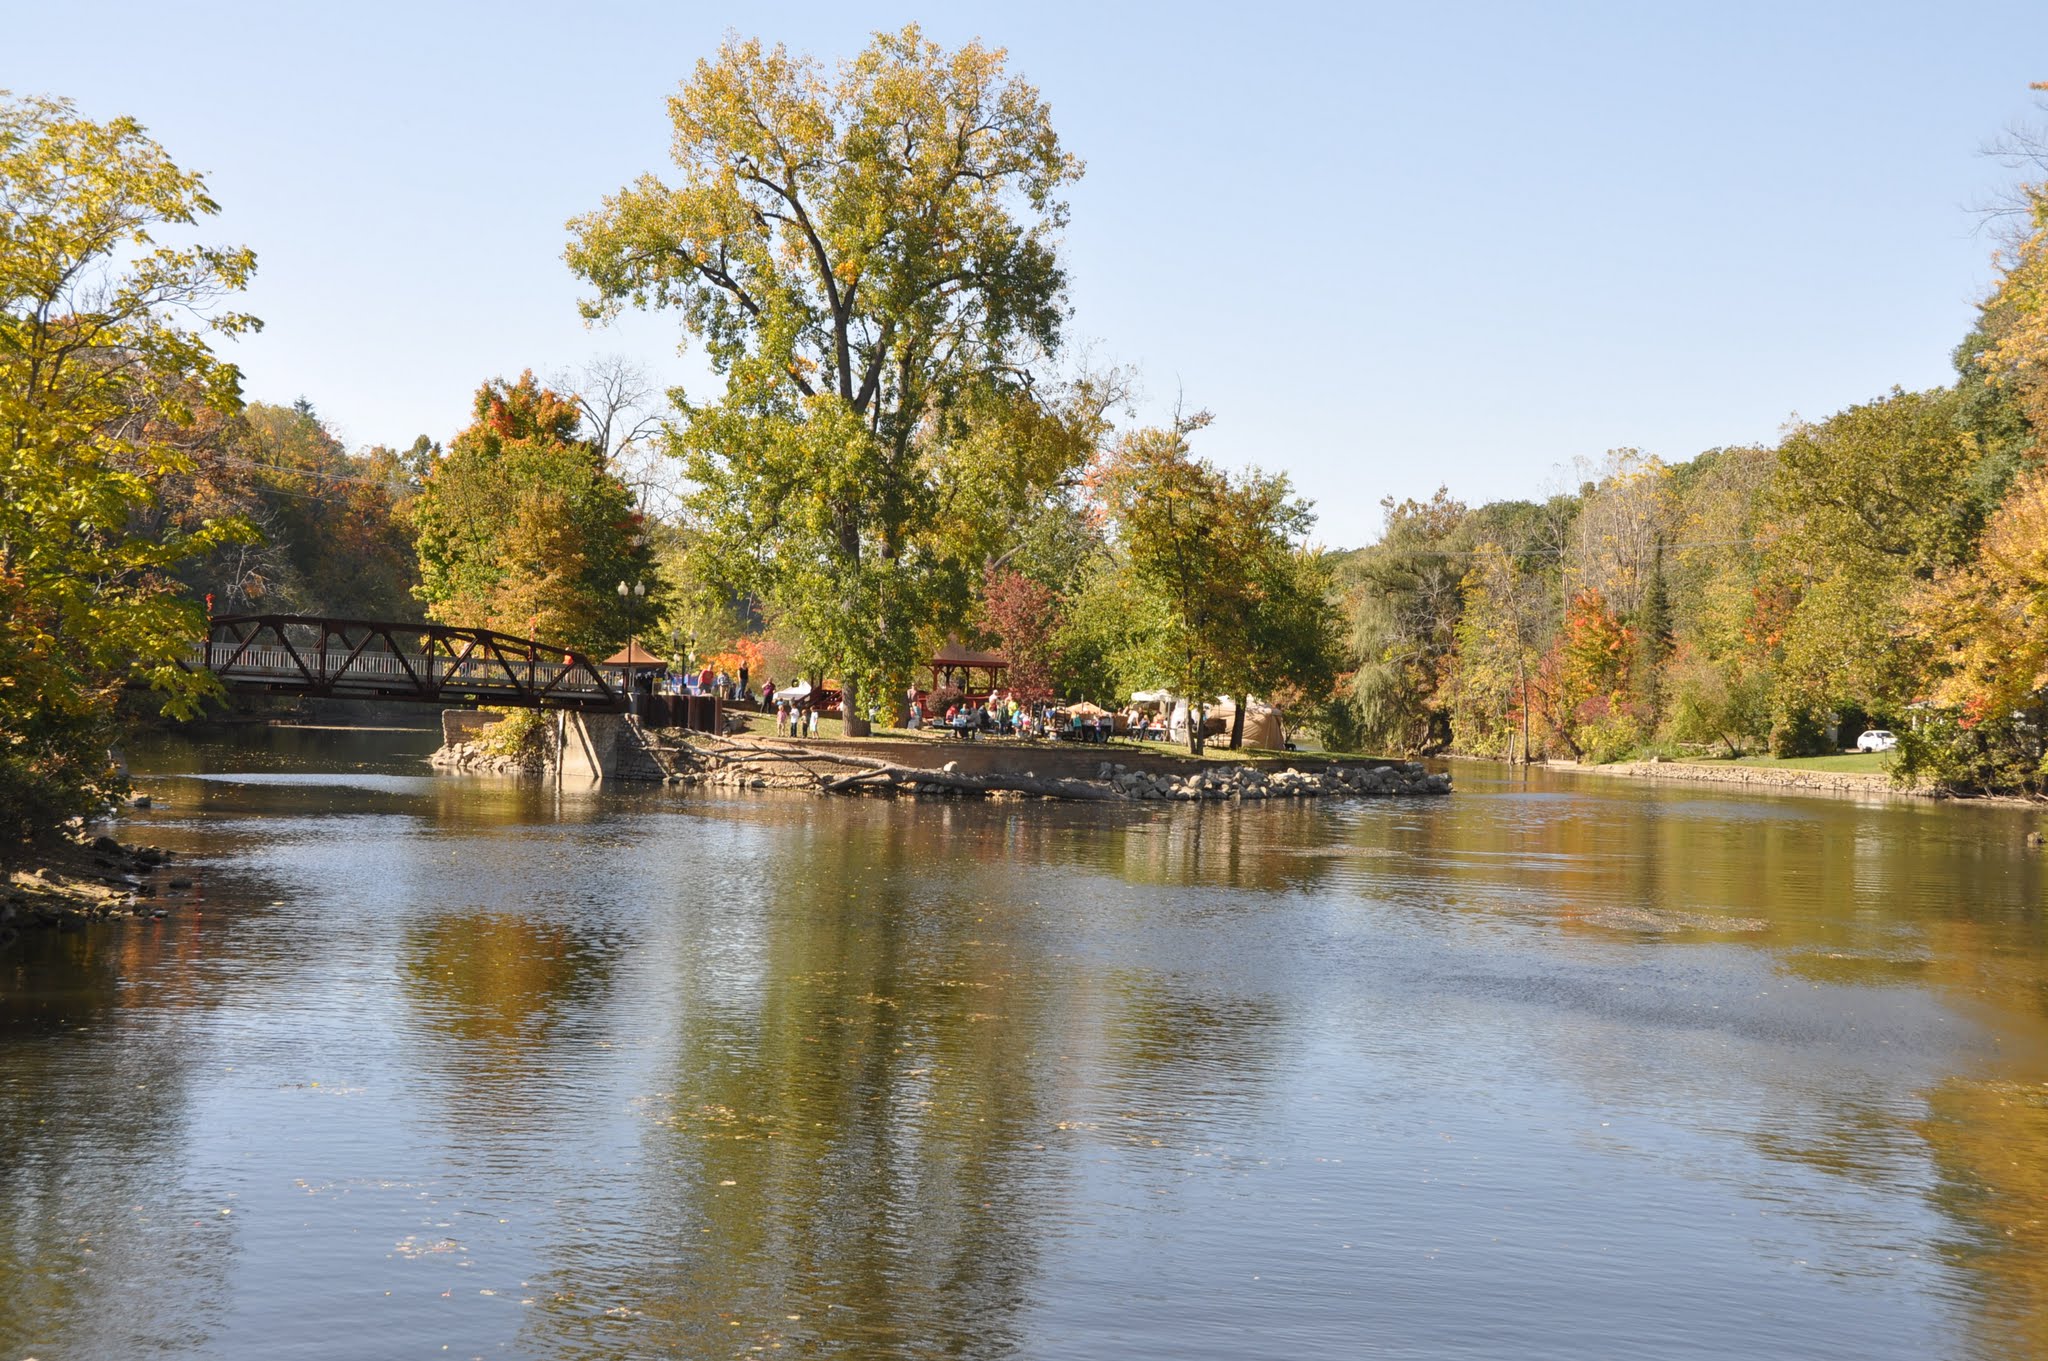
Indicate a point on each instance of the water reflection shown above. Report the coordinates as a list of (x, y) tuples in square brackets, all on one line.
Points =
[(1545, 1068), (837, 1153), (104, 1250)]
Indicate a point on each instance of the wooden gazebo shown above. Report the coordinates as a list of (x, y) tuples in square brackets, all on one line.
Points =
[(633, 657), (956, 668)]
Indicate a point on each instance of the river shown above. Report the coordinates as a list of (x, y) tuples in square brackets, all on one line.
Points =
[(427, 1066)]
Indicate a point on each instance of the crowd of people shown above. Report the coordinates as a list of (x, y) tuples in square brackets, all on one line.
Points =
[(1003, 714), (708, 680), (998, 714)]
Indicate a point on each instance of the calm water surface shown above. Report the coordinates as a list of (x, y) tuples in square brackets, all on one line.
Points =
[(1573, 1068)]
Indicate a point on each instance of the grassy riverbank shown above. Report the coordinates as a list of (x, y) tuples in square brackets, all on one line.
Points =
[(1855, 775), (1844, 762)]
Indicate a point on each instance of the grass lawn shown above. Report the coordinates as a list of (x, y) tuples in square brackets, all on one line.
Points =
[(1848, 762)]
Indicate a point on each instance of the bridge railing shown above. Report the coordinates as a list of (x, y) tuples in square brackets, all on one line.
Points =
[(424, 663), (275, 663)]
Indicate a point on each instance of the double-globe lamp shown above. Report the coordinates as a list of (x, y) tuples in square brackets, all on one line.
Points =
[(633, 594)]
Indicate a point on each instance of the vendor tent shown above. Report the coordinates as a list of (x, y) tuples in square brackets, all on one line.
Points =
[(1262, 726), (636, 658), (1177, 725)]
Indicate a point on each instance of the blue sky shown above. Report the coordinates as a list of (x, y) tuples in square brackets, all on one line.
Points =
[(1389, 246)]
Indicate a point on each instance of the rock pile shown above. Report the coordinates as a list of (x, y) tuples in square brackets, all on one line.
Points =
[(475, 758), (85, 881), (1249, 782), (721, 763)]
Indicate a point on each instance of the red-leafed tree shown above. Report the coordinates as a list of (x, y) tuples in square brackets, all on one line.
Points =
[(1024, 615)]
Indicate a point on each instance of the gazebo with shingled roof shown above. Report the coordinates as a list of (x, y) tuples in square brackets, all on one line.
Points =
[(633, 657), (954, 668)]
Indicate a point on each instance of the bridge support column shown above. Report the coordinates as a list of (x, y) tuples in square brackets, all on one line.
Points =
[(587, 745)]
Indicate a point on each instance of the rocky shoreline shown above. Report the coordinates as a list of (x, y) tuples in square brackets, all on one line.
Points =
[(675, 757), (1863, 784), (85, 881), (763, 764), (1851, 784)]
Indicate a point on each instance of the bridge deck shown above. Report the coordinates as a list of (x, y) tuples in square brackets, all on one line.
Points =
[(363, 659)]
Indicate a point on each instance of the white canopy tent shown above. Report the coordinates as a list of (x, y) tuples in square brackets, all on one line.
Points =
[(1262, 725)]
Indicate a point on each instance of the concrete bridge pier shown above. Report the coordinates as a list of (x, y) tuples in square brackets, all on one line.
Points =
[(587, 745), (593, 746)]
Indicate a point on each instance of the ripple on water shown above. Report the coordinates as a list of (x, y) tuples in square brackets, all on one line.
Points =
[(1544, 1070)]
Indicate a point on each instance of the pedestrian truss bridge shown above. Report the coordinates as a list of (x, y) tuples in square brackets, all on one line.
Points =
[(421, 663)]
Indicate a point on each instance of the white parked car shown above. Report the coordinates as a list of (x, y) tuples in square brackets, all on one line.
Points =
[(1877, 739)]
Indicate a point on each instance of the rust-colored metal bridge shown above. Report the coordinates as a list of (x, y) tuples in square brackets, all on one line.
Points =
[(423, 663)]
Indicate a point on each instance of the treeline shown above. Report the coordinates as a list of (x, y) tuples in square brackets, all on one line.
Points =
[(321, 530), (138, 490), (901, 449), (1886, 566)]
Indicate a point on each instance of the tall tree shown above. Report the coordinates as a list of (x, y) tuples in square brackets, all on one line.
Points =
[(105, 364), (1868, 503), (1231, 602), (868, 258), (1404, 602), (520, 528)]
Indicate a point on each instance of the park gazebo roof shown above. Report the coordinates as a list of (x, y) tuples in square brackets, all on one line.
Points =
[(954, 655), (954, 660), (635, 658)]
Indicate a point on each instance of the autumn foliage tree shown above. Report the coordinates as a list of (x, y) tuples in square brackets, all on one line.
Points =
[(106, 366), (1987, 625), (1025, 617), (520, 528), (330, 538), (868, 257)]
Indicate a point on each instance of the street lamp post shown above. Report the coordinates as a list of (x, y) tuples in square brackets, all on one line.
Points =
[(633, 598)]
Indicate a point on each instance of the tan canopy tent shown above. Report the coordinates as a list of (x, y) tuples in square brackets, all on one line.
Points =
[(1262, 726)]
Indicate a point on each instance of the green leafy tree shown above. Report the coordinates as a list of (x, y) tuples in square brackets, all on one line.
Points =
[(520, 528), (1867, 504), (1721, 703), (1231, 603), (1500, 634), (868, 258), (105, 367), (1404, 599)]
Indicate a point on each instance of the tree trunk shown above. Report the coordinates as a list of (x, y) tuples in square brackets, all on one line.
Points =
[(852, 722), (1195, 719), (849, 702), (1237, 724)]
